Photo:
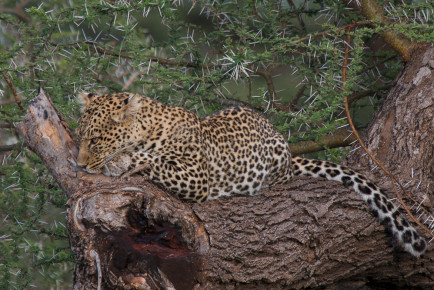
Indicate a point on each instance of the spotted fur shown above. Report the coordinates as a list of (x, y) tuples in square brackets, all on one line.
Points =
[(235, 151)]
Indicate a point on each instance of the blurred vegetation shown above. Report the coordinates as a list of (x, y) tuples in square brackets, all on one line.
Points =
[(282, 58)]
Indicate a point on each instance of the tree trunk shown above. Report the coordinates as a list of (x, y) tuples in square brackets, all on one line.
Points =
[(309, 233), (402, 133)]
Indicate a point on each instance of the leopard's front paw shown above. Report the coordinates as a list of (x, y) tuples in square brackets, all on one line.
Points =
[(117, 167)]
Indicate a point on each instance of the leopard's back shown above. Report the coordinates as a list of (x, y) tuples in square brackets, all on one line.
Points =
[(244, 151)]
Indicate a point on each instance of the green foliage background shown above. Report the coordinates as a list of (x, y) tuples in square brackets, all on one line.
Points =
[(203, 55)]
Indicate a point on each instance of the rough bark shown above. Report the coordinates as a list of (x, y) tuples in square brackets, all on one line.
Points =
[(309, 233)]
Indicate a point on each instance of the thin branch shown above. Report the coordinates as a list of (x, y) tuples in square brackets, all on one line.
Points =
[(6, 126), (300, 92), (5, 148), (400, 43), (339, 139), (14, 91), (266, 74), (94, 48), (354, 24), (249, 89), (299, 14)]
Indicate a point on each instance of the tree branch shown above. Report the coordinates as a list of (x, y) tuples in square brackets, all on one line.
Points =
[(294, 236), (266, 74), (6, 126), (4, 148), (340, 138), (399, 43), (45, 132), (14, 91)]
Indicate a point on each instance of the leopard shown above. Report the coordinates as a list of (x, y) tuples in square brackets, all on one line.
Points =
[(235, 151)]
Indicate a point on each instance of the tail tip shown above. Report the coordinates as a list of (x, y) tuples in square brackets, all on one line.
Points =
[(415, 246)]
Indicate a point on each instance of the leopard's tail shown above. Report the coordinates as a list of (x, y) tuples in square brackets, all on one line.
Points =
[(386, 211)]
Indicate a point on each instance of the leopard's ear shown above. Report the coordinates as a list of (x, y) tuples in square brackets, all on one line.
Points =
[(84, 99), (129, 110)]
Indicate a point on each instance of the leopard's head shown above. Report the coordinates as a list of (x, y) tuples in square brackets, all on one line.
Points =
[(106, 128)]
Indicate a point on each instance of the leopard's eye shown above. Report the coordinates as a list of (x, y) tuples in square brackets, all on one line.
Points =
[(94, 140)]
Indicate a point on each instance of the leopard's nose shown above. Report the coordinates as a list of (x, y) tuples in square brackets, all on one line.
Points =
[(81, 164), (82, 158)]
